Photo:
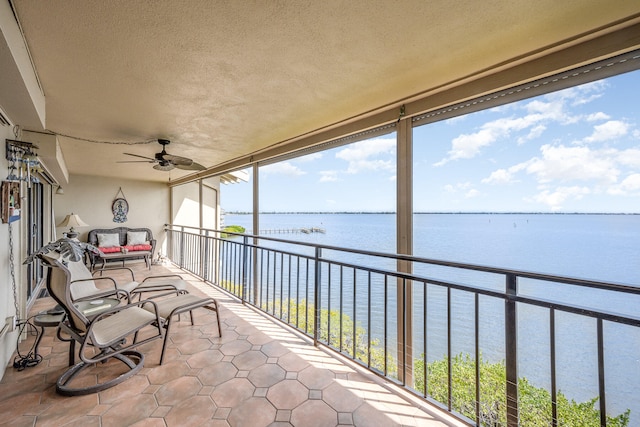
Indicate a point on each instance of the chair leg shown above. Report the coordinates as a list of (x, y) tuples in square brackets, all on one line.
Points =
[(166, 338)]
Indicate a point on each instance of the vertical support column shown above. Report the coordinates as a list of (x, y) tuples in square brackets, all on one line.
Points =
[(404, 239), (205, 254), (181, 247), (256, 230), (316, 297), (511, 350), (245, 254)]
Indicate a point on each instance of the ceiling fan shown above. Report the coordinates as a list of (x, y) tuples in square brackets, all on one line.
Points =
[(165, 161)]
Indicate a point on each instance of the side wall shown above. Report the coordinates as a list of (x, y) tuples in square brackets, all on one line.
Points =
[(91, 197), (8, 341)]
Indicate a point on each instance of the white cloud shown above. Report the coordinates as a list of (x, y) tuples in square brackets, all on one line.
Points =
[(629, 186), (549, 109), (472, 193), (370, 155), (500, 176), (534, 133), (607, 131), (505, 176), (560, 163), (465, 187), (597, 116), (283, 168), (365, 149), (629, 157), (328, 176), (555, 199)]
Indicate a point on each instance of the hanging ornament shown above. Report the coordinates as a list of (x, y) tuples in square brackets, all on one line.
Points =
[(120, 207)]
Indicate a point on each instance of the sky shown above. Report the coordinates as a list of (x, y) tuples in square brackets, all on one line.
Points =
[(575, 150)]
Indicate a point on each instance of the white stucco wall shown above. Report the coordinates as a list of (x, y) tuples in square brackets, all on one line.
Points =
[(91, 198)]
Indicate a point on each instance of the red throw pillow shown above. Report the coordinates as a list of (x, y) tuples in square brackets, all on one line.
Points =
[(109, 250), (134, 248)]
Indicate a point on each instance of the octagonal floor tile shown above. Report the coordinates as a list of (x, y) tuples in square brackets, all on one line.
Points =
[(287, 394), (217, 373), (316, 413), (315, 378), (235, 348), (254, 412), (232, 392), (204, 359), (266, 375), (178, 390)]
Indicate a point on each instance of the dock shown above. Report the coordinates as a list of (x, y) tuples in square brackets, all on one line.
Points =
[(304, 230)]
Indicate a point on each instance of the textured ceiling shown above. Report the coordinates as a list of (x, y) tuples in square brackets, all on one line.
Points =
[(222, 79)]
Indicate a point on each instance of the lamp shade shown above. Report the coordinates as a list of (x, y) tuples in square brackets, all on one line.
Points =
[(72, 220)]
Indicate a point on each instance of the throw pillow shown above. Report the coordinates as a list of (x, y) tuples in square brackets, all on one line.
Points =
[(108, 240), (136, 238)]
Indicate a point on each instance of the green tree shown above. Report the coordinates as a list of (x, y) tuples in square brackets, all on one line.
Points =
[(534, 402)]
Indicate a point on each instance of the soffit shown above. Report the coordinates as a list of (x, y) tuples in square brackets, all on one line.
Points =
[(223, 79)]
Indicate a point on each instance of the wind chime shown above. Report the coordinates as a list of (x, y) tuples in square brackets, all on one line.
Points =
[(23, 162)]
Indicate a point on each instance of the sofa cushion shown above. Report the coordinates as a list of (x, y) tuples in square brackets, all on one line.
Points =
[(109, 249), (133, 248), (136, 238), (108, 240)]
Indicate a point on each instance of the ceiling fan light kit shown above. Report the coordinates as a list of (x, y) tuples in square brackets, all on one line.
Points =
[(165, 161)]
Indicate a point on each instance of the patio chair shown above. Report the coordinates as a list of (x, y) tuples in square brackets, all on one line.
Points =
[(84, 283), (101, 337)]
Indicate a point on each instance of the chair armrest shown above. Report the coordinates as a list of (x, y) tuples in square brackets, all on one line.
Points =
[(133, 277), (119, 293), (116, 291), (162, 276)]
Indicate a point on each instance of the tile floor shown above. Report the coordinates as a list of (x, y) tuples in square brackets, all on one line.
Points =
[(258, 373)]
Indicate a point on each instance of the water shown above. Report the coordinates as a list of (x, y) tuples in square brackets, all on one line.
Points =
[(596, 247)]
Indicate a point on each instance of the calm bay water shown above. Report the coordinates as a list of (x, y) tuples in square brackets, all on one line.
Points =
[(596, 247)]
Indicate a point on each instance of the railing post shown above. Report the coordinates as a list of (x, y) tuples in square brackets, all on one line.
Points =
[(511, 350), (243, 279), (316, 297)]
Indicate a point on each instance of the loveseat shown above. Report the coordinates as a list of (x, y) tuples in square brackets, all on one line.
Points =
[(121, 244)]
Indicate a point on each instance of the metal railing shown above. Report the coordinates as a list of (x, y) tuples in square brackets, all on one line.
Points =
[(422, 328)]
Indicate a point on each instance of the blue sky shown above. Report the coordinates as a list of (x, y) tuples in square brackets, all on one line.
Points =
[(576, 150)]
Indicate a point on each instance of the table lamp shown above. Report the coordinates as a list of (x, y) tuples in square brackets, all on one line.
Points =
[(72, 220)]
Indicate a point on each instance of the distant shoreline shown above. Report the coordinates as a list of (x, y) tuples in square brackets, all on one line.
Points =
[(435, 213)]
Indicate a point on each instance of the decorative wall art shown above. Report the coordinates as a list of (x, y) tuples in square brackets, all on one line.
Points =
[(120, 207)]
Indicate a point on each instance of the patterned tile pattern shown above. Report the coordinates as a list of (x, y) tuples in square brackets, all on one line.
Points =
[(257, 374)]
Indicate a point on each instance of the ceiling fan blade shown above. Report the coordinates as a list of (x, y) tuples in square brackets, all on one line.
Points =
[(177, 160), (192, 167), (163, 167), (136, 161), (143, 157)]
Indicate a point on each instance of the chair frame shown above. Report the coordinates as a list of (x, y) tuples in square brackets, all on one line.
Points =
[(81, 329)]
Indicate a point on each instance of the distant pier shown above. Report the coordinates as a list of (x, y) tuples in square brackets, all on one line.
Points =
[(307, 230)]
